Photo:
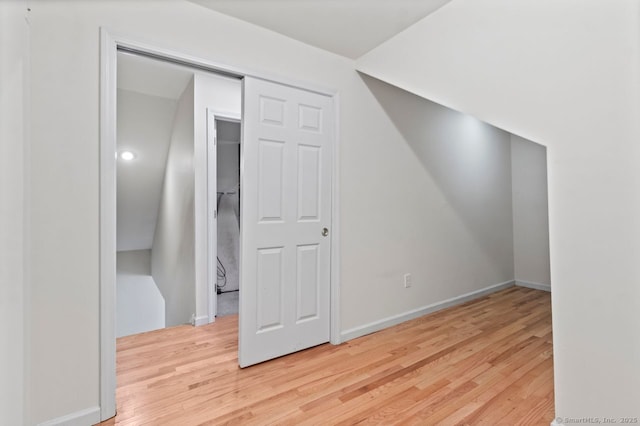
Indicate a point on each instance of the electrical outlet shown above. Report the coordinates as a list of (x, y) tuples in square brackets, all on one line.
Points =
[(407, 280)]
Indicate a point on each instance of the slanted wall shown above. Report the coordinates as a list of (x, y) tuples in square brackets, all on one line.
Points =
[(173, 250), (564, 74)]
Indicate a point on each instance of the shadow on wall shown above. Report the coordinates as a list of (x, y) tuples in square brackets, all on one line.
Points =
[(468, 162)]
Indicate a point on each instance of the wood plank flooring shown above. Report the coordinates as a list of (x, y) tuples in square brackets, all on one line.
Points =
[(485, 362)]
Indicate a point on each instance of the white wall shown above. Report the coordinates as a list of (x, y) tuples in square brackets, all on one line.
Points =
[(14, 68), (433, 198), (564, 74), (530, 212), (228, 162), (144, 127), (173, 251), (139, 305), (389, 197), (221, 95)]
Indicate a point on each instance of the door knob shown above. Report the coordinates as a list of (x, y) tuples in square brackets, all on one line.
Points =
[(325, 232)]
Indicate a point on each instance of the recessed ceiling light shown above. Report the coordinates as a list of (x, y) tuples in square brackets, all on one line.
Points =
[(127, 155)]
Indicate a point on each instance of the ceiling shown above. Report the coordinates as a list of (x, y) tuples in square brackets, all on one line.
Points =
[(148, 91), (346, 27), (151, 76), (144, 127)]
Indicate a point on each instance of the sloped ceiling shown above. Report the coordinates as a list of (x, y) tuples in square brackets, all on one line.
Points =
[(144, 128), (346, 27), (151, 77), (148, 91)]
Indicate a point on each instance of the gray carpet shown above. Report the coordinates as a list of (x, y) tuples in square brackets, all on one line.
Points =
[(228, 303)]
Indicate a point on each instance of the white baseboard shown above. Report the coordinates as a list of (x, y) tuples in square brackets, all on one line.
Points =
[(535, 286), (86, 417), (363, 330), (201, 320)]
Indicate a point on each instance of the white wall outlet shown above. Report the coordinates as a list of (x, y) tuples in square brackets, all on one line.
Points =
[(407, 280)]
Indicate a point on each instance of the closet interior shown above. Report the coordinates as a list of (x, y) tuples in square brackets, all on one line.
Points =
[(228, 208)]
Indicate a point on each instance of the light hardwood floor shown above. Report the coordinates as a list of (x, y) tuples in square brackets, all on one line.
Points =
[(485, 362)]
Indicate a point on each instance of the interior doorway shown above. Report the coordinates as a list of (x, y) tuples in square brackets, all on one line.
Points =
[(288, 210), (153, 118), (161, 278), (227, 198)]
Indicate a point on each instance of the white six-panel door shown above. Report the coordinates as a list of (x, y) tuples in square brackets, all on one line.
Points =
[(286, 220)]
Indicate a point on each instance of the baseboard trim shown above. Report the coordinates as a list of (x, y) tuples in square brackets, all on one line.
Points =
[(88, 416), (535, 286), (201, 320), (363, 330)]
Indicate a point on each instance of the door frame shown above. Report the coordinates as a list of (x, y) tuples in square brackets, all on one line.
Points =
[(110, 43), (214, 115)]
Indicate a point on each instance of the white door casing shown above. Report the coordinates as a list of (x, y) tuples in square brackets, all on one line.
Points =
[(285, 265), (212, 203), (212, 214), (110, 43)]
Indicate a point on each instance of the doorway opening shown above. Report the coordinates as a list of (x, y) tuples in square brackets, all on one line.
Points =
[(228, 130), (289, 257), (162, 122)]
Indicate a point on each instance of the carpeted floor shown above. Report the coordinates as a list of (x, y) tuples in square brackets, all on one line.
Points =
[(228, 303)]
